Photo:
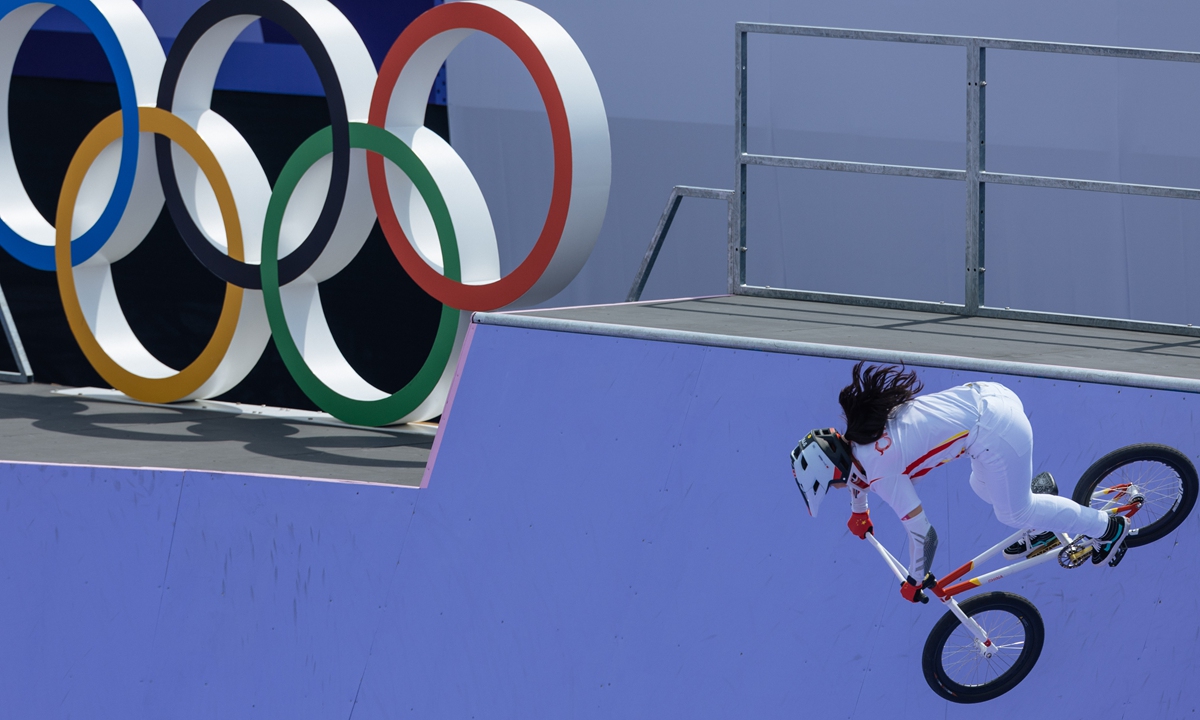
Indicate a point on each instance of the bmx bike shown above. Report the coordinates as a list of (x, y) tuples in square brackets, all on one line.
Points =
[(984, 646)]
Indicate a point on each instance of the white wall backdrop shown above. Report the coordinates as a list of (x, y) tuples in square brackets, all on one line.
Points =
[(665, 68)]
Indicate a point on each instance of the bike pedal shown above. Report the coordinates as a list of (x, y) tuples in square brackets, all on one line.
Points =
[(1118, 555)]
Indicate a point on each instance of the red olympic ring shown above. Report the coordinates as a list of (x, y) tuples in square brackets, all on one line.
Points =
[(510, 288)]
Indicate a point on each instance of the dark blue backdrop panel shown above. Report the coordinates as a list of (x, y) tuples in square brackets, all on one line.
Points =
[(59, 47)]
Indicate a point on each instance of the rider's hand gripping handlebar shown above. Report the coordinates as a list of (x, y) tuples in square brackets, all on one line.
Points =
[(860, 524)]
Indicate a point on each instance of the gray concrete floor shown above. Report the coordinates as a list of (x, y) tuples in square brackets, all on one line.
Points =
[(39, 426), (903, 330)]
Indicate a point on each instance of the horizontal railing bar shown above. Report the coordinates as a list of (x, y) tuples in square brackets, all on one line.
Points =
[(841, 166), (985, 311), (1090, 185), (851, 34), (1094, 50), (702, 192), (857, 300), (963, 40), (948, 174)]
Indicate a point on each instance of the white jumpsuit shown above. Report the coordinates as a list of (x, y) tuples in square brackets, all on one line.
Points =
[(985, 421)]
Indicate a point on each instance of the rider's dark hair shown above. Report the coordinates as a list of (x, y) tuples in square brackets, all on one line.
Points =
[(871, 396)]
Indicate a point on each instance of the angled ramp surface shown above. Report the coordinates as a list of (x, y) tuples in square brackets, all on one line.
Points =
[(629, 543)]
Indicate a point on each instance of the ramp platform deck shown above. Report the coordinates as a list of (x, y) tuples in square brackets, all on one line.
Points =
[(1074, 352), (39, 425)]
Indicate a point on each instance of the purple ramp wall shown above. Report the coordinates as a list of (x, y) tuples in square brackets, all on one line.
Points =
[(131, 593), (627, 541), (610, 531)]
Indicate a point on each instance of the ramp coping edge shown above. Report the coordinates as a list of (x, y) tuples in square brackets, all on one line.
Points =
[(950, 362)]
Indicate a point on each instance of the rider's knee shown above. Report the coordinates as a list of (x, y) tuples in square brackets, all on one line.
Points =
[(1015, 518)]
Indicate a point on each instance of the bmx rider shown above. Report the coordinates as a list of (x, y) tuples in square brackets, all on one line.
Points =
[(894, 437)]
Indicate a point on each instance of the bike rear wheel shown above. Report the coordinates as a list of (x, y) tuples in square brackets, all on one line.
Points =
[(1163, 475), (956, 668)]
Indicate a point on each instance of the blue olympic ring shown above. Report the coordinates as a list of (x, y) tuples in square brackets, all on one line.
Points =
[(89, 243)]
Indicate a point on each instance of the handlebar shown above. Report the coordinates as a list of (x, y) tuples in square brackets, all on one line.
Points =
[(894, 564)]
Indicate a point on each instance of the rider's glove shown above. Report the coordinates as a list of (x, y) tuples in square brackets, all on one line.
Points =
[(860, 524), (911, 591)]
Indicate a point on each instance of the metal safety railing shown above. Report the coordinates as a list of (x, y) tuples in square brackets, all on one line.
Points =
[(974, 175)]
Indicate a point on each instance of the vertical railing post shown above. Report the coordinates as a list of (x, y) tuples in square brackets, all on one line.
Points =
[(976, 147), (24, 371), (737, 224)]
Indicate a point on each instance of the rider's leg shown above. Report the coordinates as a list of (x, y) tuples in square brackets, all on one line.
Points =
[(1034, 543), (1002, 457), (1032, 540)]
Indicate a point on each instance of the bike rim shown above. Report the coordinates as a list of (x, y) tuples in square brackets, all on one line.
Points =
[(966, 666), (1158, 482)]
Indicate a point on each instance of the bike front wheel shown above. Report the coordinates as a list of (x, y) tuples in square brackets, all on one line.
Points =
[(1162, 475), (960, 669)]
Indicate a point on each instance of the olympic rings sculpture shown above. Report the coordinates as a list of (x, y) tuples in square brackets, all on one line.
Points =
[(273, 246)]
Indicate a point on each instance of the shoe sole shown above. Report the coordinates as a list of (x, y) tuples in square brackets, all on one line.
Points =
[(1039, 550)]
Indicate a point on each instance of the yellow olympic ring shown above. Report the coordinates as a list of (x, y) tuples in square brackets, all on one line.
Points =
[(157, 385)]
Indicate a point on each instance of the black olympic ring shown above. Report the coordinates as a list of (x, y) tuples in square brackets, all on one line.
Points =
[(296, 263)]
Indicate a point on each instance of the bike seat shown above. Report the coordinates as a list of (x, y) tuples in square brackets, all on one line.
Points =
[(1043, 484)]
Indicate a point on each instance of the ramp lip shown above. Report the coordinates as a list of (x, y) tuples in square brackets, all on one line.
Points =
[(230, 473), (843, 352), (593, 306)]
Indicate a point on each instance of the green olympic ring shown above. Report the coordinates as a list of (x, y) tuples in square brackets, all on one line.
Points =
[(357, 411)]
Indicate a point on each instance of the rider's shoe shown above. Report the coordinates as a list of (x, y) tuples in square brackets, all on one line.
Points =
[(1113, 538), (1031, 545)]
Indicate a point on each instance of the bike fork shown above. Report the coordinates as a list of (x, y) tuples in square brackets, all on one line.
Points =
[(982, 642)]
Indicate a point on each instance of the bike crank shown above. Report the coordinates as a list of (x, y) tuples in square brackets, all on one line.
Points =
[(1076, 553)]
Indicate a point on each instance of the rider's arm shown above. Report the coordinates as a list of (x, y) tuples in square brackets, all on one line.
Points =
[(858, 500), (922, 542), (899, 493)]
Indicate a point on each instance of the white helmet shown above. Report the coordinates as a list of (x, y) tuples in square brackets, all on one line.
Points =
[(821, 458)]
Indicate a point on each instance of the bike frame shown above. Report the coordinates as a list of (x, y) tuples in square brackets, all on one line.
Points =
[(945, 591)]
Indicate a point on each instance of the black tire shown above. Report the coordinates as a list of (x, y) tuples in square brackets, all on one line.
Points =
[(1165, 476), (1015, 627)]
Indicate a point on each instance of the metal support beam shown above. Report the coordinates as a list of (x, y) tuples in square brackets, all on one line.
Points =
[(24, 372), (737, 224), (976, 115), (678, 193)]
